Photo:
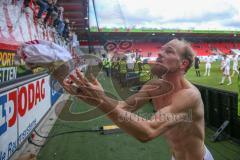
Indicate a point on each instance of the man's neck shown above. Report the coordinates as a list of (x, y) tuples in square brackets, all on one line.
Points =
[(176, 78)]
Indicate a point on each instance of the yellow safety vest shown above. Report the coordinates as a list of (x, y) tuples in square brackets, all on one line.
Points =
[(123, 66)]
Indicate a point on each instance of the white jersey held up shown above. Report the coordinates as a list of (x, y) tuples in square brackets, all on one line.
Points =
[(43, 52)]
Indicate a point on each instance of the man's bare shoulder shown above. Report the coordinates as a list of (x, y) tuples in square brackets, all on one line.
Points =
[(187, 98), (190, 90)]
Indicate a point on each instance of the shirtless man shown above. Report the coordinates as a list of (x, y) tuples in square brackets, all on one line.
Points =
[(186, 138)]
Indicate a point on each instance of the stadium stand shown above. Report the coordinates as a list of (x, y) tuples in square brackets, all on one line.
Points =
[(202, 49), (146, 48)]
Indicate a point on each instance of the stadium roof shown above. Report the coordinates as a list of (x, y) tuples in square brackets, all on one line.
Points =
[(152, 36)]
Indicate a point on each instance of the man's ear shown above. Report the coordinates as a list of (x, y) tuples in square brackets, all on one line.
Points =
[(185, 63)]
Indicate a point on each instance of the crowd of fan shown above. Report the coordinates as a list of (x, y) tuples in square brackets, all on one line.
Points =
[(51, 14)]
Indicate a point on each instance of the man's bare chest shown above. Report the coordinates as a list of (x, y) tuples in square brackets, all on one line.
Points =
[(162, 101)]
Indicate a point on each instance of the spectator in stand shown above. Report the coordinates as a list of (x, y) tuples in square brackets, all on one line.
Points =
[(66, 30), (26, 8), (225, 67), (60, 11), (26, 3), (44, 5), (235, 64), (196, 66), (51, 11), (73, 39), (59, 22), (208, 66)]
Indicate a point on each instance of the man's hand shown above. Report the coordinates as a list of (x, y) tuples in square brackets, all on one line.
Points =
[(89, 91)]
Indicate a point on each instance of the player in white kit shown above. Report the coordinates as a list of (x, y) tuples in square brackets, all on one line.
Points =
[(226, 70), (235, 65), (208, 66)]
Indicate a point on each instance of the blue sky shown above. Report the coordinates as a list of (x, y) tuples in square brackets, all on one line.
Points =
[(167, 14)]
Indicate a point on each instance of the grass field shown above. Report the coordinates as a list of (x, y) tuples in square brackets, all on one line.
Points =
[(214, 78), (94, 146)]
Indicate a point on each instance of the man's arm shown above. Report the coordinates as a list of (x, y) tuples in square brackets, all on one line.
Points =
[(152, 89), (145, 130), (139, 127)]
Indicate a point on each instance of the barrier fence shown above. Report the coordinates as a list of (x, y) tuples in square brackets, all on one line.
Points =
[(22, 107), (219, 106)]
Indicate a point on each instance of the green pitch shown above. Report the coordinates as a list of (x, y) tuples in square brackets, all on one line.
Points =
[(94, 146), (214, 78)]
